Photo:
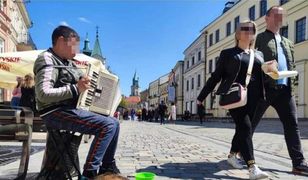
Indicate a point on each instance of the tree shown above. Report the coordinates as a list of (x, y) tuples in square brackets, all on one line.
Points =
[(123, 103)]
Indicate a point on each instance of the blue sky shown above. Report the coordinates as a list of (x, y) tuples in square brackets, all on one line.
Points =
[(141, 35)]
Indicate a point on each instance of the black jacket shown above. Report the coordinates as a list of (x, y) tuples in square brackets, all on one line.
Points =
[(226, 71)]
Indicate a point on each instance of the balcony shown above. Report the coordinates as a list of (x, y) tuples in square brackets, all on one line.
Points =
[(26, 46)]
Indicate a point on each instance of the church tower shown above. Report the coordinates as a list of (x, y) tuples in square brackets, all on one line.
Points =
[(97, 52), (86, 48), (135, 86)]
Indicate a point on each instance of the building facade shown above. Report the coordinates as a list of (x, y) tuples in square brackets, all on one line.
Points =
[(220, 35), (14, 34), (144, 99), (163, 88), (153, 93), (194, 73), (179, 96)]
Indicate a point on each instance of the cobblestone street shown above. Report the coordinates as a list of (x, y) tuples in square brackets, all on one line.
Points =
[(185, 150)]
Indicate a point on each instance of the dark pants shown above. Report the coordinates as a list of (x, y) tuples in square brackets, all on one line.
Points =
[(162, 118), (284, 104), (242, 139), (105, 129)]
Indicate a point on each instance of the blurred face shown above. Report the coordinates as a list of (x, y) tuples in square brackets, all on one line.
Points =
[(246, 32), (275, 17), (69, 47)]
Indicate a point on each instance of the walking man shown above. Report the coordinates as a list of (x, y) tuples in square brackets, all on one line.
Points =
[(279, 93)]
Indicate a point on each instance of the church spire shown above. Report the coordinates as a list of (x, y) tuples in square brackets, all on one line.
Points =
[(97, 52), (135, 85)]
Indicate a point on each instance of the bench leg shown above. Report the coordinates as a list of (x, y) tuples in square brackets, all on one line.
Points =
[(25, 156)]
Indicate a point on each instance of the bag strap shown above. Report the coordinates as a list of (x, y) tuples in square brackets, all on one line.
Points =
[(250, 66)]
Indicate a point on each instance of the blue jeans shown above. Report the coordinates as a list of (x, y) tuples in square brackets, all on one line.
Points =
[(15, 101), (105, 129)]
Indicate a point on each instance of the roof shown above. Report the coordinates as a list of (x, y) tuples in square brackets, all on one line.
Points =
[(133, 99), (97, 52)]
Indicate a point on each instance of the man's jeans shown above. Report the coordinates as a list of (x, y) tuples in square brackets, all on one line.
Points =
[(105, 129)]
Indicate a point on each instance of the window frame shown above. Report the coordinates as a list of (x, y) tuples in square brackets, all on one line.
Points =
[(228, 29), (210, 39), (217, 32), (302, 31), (263, 7), (252, 13), (236, 22)]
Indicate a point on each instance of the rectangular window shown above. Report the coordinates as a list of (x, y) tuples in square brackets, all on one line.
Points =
[(1, 45), (216, 59), (199, 56), (217, 36), (228, 28), (283, 2), (193, 60), (252, 13), (263, 7), (187, 85), (187, 64), (199, 80), (192, 83), (236, 22), (300, 30), (186, 106), (211, 39), (284, 31), (210, 66), (191, 106), (212, 100)]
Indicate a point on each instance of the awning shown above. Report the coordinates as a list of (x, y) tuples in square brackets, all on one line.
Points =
[(13, 64)]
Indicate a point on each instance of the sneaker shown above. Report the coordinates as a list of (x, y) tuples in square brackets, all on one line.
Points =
[(234, 162), (301, 169), (112, 169), (256, 173), (86, 175)]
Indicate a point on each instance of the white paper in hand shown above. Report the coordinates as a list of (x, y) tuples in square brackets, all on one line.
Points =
[(282, 74)]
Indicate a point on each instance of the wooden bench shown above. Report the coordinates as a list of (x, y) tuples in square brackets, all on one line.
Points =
[(16, 125)]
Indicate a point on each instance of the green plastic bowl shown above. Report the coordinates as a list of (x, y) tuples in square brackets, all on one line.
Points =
[(145, 176)]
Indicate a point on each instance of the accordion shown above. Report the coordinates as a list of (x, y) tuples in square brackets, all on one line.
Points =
[(104, 94)]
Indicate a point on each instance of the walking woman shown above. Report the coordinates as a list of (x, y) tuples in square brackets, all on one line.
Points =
[(232, 67), (17, 92)]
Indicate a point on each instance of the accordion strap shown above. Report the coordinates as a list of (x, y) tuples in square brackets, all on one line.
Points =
[(250, 66)]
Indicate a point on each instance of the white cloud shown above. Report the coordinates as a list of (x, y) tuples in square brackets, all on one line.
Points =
[(51, 24), (85, 20), (64, 23)]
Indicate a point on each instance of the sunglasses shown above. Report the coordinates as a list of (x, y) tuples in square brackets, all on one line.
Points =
[(248, 28)]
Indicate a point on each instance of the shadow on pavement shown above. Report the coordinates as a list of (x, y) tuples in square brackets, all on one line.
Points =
[(197, 170), (265, 126)]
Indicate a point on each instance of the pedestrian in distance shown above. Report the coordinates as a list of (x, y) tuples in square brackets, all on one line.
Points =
[(172, 113), (280, 93), (17, 92), (132, 114), (57, 91), (231, 67), (162, 108), (27, 98), (201, 112)]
